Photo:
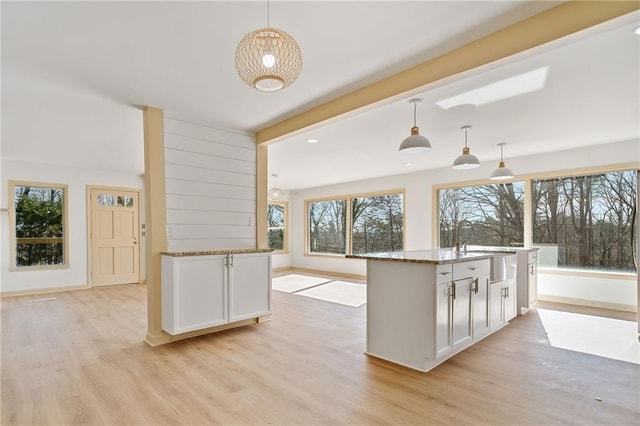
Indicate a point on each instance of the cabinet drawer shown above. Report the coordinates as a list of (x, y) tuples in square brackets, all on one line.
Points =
[(533, 256), (444, 273), (470, 269)]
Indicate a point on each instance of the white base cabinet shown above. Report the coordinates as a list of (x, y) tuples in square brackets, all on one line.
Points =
[(420, 314), (249, 286), (199, 292), (502, 303)]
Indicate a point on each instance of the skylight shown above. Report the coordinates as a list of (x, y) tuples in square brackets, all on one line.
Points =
[(508, 88)]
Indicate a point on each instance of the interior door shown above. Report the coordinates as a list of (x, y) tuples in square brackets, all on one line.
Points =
[(114, 237)]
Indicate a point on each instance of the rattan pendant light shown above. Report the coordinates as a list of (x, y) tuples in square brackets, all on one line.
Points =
[(268, 59)]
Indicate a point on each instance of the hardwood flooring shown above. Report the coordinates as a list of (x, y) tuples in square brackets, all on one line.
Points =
[(80, 359)]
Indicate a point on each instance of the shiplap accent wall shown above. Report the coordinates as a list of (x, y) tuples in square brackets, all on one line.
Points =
[(210, 177)]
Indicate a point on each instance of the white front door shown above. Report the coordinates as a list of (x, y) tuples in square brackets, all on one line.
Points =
[(114, 236)]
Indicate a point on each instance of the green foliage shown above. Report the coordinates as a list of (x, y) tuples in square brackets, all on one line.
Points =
[(39, 214)]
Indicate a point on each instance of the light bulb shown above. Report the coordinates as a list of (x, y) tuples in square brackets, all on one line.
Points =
[(268, 60)]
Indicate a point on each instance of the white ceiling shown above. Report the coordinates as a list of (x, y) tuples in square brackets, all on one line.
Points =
[(178, 56)]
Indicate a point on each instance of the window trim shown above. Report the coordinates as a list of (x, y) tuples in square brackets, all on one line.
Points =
[(348, 197), (528, 208), (285, 249), (12, 226)]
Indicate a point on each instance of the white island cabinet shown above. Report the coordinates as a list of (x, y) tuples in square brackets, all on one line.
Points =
[(423, 307), (207, 289)]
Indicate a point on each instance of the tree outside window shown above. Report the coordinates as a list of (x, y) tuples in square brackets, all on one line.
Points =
[(376, 221), (488, 215), (277, 223), (586, 221), (377, 224), (39, 231), (327, 226)]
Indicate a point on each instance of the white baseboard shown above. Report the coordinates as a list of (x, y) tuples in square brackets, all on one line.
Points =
[(587, 302)]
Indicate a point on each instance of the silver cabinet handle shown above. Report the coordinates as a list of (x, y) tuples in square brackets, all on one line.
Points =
[(472, 268), (453, 290), (445, 273)]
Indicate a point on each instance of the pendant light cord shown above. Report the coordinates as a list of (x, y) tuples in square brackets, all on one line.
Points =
[(466, 129), (415, 108), (268, 23)]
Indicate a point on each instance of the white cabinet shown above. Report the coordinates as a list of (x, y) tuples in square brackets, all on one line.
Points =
[(502, 303), (199, 292), (461, 311), (457, 304), (443, 319), (527, 279), (249, 286), (480, 299)]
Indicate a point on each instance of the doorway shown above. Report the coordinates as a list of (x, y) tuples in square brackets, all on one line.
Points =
[(114, 236)]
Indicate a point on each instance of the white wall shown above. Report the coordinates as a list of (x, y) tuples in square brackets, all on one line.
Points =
[(210, 177), (419, 204), (606, 291), (77, 180), (51, 134)]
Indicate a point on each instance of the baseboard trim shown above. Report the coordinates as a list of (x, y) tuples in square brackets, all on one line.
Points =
[(587, 302), (43, 291), (164, 338), (328, 273)]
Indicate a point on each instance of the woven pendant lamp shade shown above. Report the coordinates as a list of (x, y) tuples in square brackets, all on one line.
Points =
[(268, 59)]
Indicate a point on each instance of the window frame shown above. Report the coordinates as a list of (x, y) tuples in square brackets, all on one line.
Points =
[(285, 244), (528, 208), (349, 220), (12, 226)]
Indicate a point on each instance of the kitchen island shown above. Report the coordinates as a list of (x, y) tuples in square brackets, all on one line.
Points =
[(425, 306)]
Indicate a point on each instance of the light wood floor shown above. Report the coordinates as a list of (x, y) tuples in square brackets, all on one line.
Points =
[(80, 359)]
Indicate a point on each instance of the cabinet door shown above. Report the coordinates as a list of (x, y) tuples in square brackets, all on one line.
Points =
[(249, 285), (496, 305), (509, 300), (443, 318), (200, 292), (532, 282), (461, 329), (480, 293)]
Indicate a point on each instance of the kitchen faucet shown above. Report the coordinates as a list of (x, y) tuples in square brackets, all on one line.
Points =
[(458, 229)]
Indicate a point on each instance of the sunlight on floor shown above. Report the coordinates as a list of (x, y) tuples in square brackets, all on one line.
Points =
[(605, 337)]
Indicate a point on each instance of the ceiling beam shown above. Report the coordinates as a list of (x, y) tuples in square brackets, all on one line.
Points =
[(550, 25)]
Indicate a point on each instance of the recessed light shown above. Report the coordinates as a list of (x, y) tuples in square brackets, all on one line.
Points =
[(637, 31), (312, 140), (509, 87), (408, 164)]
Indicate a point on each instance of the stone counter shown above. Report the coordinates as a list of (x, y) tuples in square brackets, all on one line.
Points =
[(438, 256), (212, 252)]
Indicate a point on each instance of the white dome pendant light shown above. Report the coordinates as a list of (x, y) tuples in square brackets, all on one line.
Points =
[(466, 160), (502, 172), (268, 59), (275, 193), (415, 144)]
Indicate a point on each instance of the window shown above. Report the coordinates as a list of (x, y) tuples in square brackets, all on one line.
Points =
[(375, 223), (586, 221), (327, 226), (38, 234), (277, 226), (488, 215)]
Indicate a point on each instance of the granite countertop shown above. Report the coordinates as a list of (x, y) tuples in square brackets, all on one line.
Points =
[(212, 252), (438, 256)]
